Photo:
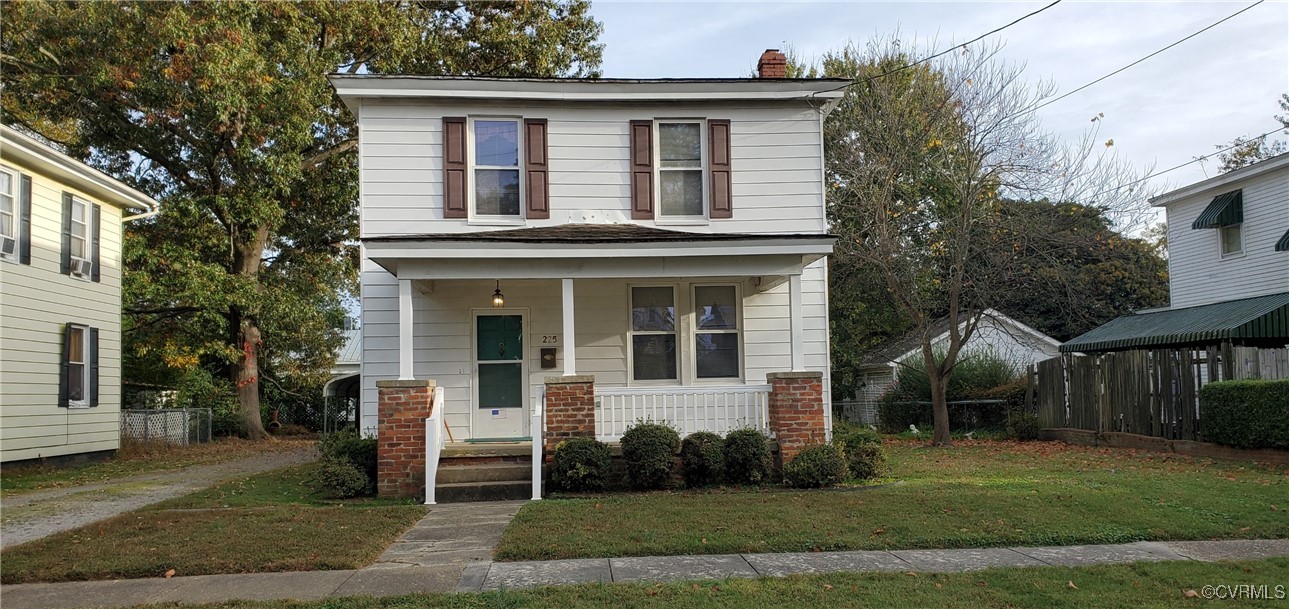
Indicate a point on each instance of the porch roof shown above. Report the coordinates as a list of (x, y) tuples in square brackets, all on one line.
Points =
[(594, 250)]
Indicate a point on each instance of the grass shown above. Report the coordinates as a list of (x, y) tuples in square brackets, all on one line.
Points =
[(138, 459), (267, 522), (974, 494), (1135, 586)]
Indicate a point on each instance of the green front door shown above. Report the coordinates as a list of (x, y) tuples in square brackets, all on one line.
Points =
[(501, 391)]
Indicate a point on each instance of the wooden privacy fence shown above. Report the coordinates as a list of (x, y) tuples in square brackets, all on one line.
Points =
[(1151, 392)]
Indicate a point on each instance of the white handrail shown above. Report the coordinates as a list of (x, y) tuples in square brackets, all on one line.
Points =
[(539, 417), (434, 438)]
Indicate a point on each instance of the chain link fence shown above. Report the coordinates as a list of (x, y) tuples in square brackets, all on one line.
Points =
[(178, 426), (330, 415)]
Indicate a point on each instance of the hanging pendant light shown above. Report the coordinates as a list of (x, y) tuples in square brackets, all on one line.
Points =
[(498, 299)]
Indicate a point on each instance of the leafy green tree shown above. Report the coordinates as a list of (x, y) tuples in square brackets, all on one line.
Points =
[(1247, 151), (223, 111)]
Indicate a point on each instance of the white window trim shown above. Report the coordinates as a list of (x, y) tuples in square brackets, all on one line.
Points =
[(84, 402), (14, 177), (493, 219), (88, 222), (686, 333), (704, 160), (1221, 242)]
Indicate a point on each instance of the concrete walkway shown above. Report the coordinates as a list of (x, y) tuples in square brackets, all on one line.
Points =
[(29, 516), (464, 576), (450, 534)]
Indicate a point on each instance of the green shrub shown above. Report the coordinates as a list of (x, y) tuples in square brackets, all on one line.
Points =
[(895, 413), (1023, 426), (347, 445), (747, 457), (580, 465), (816, 466), (649, 450), (1246, 414), (340, 479), (865, 461), (855, 435), (702, 458), (227, 424)]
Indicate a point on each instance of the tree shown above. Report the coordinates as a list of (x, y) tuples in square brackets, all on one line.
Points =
[(1247, 151), (222, 110), (921, 160)]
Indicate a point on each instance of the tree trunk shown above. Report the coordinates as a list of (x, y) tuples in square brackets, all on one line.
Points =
[(248, 256), (247, 379), (939, 405)]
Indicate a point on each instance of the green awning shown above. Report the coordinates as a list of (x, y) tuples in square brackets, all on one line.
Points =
[(1260, 320), (1283, 244), (1225, 209)]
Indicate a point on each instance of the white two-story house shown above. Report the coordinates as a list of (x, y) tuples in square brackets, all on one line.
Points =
[(666, 236), (60, 302)]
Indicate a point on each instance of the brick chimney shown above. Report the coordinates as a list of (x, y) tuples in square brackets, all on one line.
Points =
[(772, 64)]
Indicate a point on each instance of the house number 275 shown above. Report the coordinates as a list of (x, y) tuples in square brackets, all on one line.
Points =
[(550, 339)]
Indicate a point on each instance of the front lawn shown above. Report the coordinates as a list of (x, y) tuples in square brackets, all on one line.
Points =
[(974, 494), (1135, 586), (267, 522), (134, 460)]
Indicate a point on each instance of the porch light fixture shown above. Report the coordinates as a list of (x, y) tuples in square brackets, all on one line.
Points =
[(498, 299)]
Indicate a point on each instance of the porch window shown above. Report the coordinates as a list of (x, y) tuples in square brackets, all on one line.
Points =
[(653, 333), (496, 167), (716, 332), (680, 169)]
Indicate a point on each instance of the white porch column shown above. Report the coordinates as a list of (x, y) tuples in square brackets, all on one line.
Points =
[(405, 329), (570, 355), (798, 329)]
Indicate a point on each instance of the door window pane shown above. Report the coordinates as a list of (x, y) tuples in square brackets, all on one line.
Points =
[(653, 357), (716, 307), (717, 355), (500, 386), (496, 192), (500, 338), (653, 309), (681, 192)]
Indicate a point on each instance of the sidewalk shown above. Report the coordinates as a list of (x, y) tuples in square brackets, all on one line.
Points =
[(497, 575)]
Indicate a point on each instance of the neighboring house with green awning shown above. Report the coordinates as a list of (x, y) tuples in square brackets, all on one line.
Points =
[(1261, 321), (1228, 236)]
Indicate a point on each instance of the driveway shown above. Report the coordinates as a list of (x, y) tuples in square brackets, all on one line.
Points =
[(30, 516)]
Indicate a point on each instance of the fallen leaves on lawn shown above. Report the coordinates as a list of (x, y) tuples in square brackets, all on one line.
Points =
[(1190, 594), (170, 574)]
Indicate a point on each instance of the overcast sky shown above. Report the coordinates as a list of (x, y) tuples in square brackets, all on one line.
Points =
[(1168, 110)]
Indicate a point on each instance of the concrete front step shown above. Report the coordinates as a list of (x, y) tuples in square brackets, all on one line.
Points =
[(494, 472), (482, 491)]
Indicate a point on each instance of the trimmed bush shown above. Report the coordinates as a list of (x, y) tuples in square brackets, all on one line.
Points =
[(747, 457), (1246, 414), (340, 479), (816, 466), (347, 445), (580, 465), (1023, 426), (702, 458), (865, 461), (649, 450), (855, 435)]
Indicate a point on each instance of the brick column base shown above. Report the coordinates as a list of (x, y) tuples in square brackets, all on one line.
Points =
[(570, 409), (400, 437), (797, 415)]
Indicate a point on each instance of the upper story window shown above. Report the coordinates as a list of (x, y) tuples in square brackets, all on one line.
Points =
[(80, 228), (1232, 239), (8, 212), (681, 167), (496, 170)]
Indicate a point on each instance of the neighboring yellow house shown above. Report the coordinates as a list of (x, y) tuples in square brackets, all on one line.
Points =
[(60, 302)]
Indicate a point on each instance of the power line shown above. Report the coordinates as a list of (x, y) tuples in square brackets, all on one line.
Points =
[(1176, 167), (1209, 27), (944, 52)]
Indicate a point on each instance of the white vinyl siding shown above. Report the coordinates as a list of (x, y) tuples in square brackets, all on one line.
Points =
[(36, 301), (442, 331), (776, 160), (1198, 272)]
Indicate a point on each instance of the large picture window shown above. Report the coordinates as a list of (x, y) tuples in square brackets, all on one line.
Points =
[(496, 167), (680, 169), (653, 334), (716, 332)]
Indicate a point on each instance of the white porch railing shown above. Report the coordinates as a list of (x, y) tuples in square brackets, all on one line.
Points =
[(434, 438), (688, 409)]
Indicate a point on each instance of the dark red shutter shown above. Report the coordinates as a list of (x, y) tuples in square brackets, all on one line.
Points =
[(24, 220), (641, 170), (536, 169), (718, 167), (455, 169)]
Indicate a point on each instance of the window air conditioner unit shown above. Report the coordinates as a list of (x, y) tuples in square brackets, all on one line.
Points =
[(81, 267), (8, 245)]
